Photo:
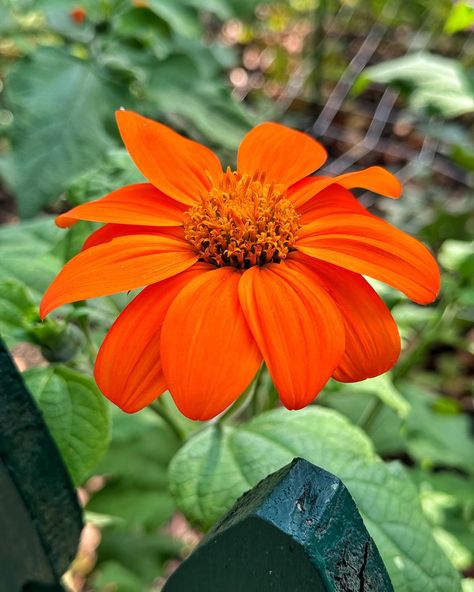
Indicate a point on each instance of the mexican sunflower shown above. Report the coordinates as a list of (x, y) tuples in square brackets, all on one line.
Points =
[(261, 263)]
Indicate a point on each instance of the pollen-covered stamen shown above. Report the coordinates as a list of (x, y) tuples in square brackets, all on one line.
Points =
[(242, 222)]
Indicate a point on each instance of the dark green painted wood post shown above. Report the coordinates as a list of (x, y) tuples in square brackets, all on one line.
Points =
[(40, 517), (298, 530)]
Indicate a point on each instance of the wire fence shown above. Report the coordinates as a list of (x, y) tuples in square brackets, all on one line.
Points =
[(380, 110)]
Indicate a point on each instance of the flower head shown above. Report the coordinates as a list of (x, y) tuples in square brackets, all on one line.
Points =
[(78, 15), (264, 263)]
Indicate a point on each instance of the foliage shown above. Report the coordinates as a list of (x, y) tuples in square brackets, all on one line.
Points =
[(76, 414), (137, 502), (461, 17), (432, 83), (170, 60), (118, 55), (73, 124), (216, 466)]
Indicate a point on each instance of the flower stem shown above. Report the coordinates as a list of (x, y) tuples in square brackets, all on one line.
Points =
[(160, 409), (243, 401), (368, 415), (430, 335)]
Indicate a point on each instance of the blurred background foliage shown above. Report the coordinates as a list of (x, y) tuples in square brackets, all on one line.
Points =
[(383, 82)]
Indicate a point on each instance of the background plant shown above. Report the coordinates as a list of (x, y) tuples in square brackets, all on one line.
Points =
[(379, 82)]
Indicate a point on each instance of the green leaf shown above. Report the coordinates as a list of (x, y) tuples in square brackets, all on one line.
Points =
[(135, 506), (76, 414), (383, 388), (432, 83), (136, 500), (434, 437), (210, 108), (468, 585), (142, 24), (7, 22), (136, 468), (459, 556), (115, 170), (384, 429), (447, 501), (16, 305), (131, 560), (27, 253), (461, 17), (181, 18), (113, 575), (58, 19), (455, 253), (60, 128), (217, 465)]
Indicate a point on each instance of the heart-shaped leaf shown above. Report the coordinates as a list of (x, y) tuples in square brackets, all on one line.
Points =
[(218, 464)]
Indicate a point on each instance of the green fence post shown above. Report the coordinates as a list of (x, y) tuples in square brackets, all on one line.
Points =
[(298, 530), (40, 517)]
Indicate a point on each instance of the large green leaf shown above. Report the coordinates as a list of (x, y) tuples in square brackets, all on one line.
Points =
[(62, 107), (76, 414), (217, 465), (433, 83), (27, 253)]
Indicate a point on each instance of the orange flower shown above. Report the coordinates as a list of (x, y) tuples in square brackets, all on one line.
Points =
[(259, 263), (78, 15)]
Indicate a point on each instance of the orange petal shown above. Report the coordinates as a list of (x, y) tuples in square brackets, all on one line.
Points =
[(281, 154), (374, 179), (124, 263), (332, 200), (372, 339), (110, 231), (208, 353), (177, 166), (297, 327), (135, 204), (128, 367), (370, 246)]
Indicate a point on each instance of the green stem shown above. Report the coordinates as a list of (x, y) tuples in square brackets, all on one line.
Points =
[(243, 401), (367, 418), (446, 313), (160, 409), (320, 14), (91, 347), (266, 395)]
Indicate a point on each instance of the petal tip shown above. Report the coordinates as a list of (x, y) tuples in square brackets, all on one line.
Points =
[(63, 221), (44, 309), (392, 186)]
